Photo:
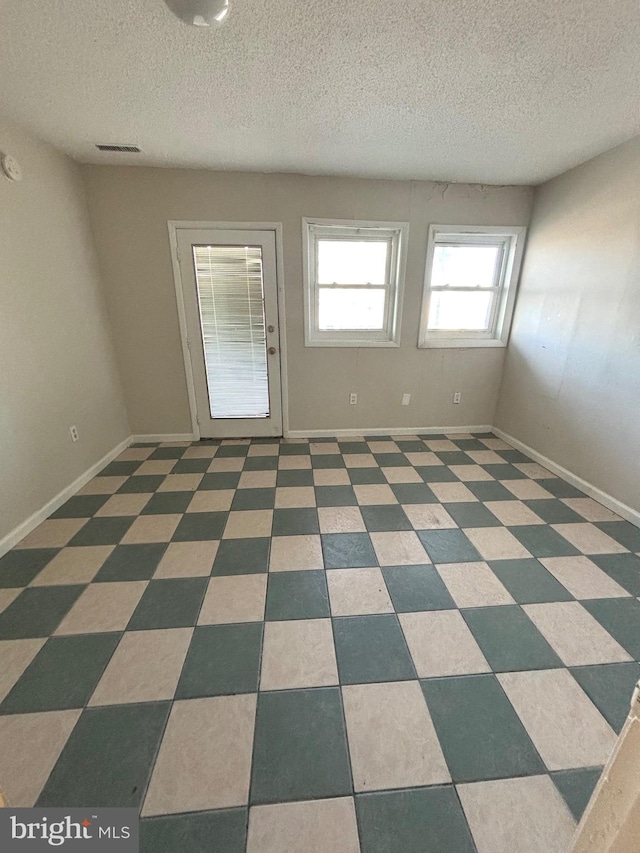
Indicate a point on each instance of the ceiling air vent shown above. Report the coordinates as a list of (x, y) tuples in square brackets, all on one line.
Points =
[(121, 149)]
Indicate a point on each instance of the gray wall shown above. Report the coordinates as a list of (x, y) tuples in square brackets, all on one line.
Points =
[(58, 363), (130, 208), (571, 387)]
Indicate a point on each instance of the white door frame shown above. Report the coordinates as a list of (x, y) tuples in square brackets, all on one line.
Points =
[(176, 225)]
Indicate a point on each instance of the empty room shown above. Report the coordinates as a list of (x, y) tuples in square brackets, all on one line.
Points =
[(320, 426)]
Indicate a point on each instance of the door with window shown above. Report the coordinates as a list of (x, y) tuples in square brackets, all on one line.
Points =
[(230, 296)]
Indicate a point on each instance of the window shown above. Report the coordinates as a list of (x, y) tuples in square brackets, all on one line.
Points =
[(470, 285), (353, 282)]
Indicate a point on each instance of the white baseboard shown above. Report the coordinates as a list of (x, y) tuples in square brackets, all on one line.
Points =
[(339, 433), (159, 438), (594, 492), (18, 533)]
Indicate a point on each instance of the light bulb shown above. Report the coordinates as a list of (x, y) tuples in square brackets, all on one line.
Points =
[(200, 13)]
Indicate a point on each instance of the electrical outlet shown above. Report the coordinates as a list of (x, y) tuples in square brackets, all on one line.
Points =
[(73, 432), (406, 399), (353, 399), (457, 397)]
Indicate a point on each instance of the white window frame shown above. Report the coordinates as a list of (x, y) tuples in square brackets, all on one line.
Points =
[(397, 234), (512, 240)]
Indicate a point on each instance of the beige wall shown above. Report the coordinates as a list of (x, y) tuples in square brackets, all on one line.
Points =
[(571, 387), (58, 365), (130, 208)]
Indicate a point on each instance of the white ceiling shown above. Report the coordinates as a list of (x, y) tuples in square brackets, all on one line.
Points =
[(489, 91)]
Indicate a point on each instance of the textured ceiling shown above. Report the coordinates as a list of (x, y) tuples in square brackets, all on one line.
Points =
[(489, 91)]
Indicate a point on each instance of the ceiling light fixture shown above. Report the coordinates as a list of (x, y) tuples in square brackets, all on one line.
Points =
[(200, 13)]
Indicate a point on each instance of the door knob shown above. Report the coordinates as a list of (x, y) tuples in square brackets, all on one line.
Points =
[(272, 350)]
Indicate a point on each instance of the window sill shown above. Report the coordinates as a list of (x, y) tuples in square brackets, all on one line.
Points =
[(351, 343), (462, 343)]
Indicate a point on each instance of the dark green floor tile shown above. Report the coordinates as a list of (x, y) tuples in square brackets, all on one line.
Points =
[(490, 490), (436, 474), (553, 511), (63, 674), (131, 562), (440, 436), (623, 568), (81, 506), (141, 484), (469, 444), (628, 535), (222, 660), (385, 518), (242, 557), (621, 618), (529, 582), (191, 466), (335, 496), (351, 447), (560, 488), (290, 522), (371, 648), (576, 787), (366, 476), (295, 478), (254, 499), (300, 747), (146, 444), (392, 460), (120, 469), (416, 820), (480, 733), (327, 460), (103, 531), (513, 456), (413, 493), (168, 453), (108, 758), (170, 603), (168, 503), (543, 541), (272, 440), (221, 831), (37, 611), (297, 595), (448, 546), (411, 446), (296, 448), (232, 450), (19, 568), (454, 457), (610, 687), (414, 588), (261, 463), (504, 472), (196, 526), (219, 480), (472, 514), (509, 640), (348, 551)]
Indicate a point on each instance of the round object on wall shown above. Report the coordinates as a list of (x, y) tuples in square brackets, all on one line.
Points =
[(10, 167)]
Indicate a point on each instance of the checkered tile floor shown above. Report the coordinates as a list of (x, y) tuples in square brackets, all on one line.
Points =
[(409, 644)]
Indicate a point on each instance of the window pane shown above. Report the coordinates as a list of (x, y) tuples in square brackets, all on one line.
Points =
[(451, 309), (231, 301), (465, 266), (351, 308), (352, 261)]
